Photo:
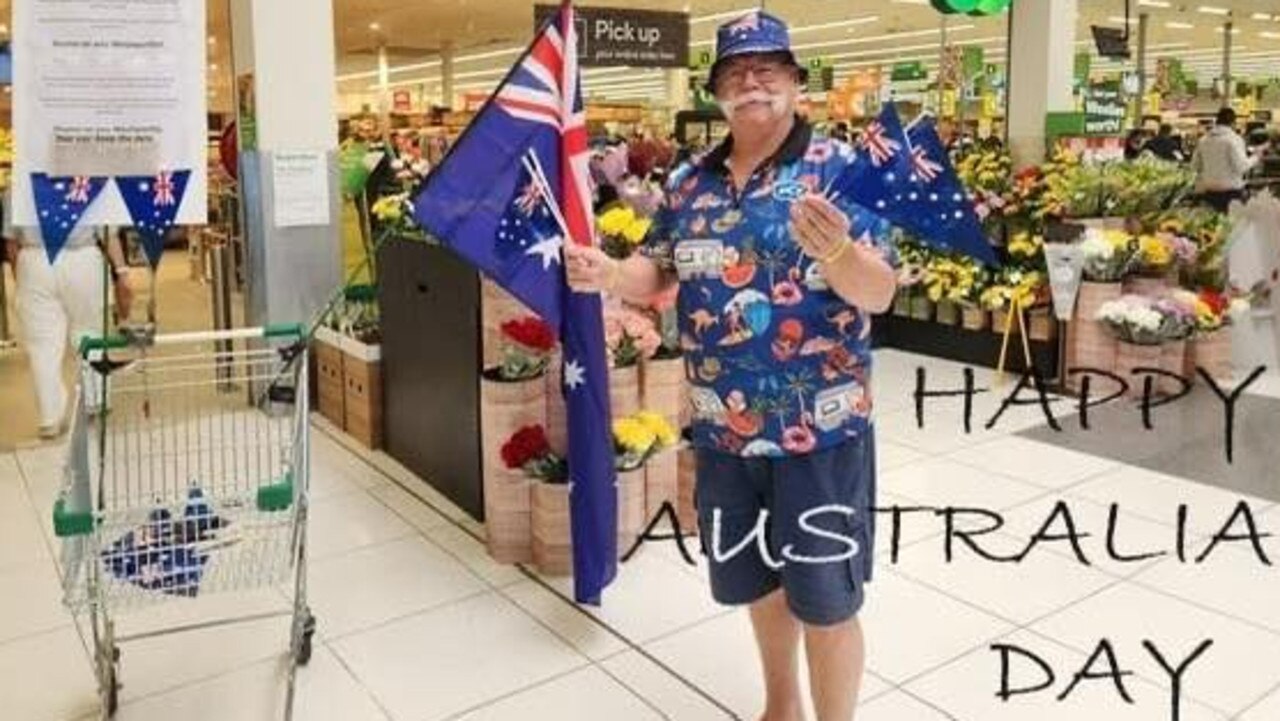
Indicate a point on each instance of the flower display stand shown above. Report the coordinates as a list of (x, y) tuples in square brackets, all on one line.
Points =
[(1089, 343), (948, 313), (1173, 359), (552, 540), (1042, 325), (1131, 356), (975, 318), (624, 391), (1211, 352), (631, 507), (506, 408), (557, 414), (687, 478), (662, 391), (330, 387), (362, 391)]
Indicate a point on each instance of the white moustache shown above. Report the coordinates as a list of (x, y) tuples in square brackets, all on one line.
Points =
[(776, 102)]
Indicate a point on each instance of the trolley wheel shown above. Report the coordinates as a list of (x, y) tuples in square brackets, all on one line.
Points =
[(113, 686), (304, 648)]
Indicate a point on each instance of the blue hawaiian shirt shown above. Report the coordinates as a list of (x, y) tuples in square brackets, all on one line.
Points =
[(779, 364)]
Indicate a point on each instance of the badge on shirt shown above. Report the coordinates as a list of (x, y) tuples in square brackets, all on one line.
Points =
[(834, 407), (789, 191), (707, 406), (699, 259)]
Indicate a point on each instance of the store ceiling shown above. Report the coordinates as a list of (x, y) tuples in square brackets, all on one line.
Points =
[(884, 31)]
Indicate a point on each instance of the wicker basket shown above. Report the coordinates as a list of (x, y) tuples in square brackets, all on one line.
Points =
[(557, 416), (1042, 325), (624, 391), (947, 313), (1089, 343), (552, 536), (921, 307), (1130, 356), (686, 510), (496, 307), (662, 389), (974, 318), (505, 408), (1149, 286), (1173, 359), (631, 507), (1211, 352)]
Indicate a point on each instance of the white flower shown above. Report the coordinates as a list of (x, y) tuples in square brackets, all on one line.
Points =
[(1095, 247), (1239, 307)]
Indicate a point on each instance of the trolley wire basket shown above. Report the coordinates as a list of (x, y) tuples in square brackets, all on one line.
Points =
[(187, 476)]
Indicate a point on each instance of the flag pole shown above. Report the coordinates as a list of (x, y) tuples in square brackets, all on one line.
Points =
[(534, 166)]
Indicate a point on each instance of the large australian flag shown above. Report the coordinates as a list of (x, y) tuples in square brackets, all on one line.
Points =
[(906, 177), (508, 196)]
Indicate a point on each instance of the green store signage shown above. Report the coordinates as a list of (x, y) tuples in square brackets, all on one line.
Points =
[(971, 7)]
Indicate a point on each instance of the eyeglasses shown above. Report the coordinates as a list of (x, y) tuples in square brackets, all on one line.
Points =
[(766, 71)]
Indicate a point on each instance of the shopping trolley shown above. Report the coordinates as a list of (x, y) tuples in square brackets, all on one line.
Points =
[(187, 476)]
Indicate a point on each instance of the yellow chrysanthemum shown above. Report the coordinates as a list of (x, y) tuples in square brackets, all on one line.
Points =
[(1155, 253), (633, 435), (662, 430), (616, 220), (388, 208), (636, 230)]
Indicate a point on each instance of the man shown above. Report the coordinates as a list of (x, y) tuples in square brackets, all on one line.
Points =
[(59, 301), (1220, 162), (784, 282), (1165, 145)]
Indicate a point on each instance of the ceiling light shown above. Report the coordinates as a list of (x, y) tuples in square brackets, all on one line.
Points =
[(1213, 10), (1155, 3), (212, 40), (213, 67), (1269, 35), (911, 2), (375, 27), (1262, 16), (1174, 25), (866, 19), (907, 48), (1122, 21), (721, 16), (882, 38), (1234, 31)]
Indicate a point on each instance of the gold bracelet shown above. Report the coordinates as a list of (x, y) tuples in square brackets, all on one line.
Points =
[(836, 254)]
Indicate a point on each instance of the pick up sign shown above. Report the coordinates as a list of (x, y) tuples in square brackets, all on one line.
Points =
[(617, 36)]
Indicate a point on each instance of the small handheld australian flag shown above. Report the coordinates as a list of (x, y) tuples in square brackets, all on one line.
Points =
[(906, 177)]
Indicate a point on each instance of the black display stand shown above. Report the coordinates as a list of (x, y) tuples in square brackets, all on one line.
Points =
[(953, 342), (431, 340)]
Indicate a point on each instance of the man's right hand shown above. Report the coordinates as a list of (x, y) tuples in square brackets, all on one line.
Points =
[(590, 269)]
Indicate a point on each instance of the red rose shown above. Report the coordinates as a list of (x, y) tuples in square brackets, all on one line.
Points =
[(531, 333), (526, 445), (1217, 302)]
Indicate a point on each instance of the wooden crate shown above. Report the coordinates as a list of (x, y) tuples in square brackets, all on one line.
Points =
[(330, 387), (362, 379)]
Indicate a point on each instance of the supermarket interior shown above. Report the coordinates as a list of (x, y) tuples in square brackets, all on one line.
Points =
[(295, 421)]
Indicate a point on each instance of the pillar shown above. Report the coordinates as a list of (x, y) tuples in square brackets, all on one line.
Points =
[(1228, 89), (446, 75), (677, 89), (1040, 66), (1144, 22), (283, 55)]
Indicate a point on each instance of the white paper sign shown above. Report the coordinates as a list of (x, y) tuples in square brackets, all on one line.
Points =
[(301, 188), (108, 89), (1066, 270)]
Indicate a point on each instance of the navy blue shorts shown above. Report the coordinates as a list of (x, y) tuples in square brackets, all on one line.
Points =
[(819, 527)]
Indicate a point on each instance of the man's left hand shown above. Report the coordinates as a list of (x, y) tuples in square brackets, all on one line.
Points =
[(819, 227)]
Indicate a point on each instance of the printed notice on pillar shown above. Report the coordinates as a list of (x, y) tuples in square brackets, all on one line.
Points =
[(110, 88), (300, 180)]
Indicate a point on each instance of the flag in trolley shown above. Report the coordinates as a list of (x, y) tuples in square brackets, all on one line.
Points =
[(507, 197), (906, 177)]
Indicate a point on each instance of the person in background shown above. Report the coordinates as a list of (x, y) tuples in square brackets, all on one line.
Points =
[(758, 194), (1133, 143), (1221, 162), (61, 301), (841, 132), (1165, 145)]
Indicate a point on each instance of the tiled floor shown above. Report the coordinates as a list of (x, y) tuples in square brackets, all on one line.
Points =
[(416, 623)]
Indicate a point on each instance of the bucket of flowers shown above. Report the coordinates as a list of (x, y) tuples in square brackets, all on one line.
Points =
[(528, 452), (1137, 326)]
